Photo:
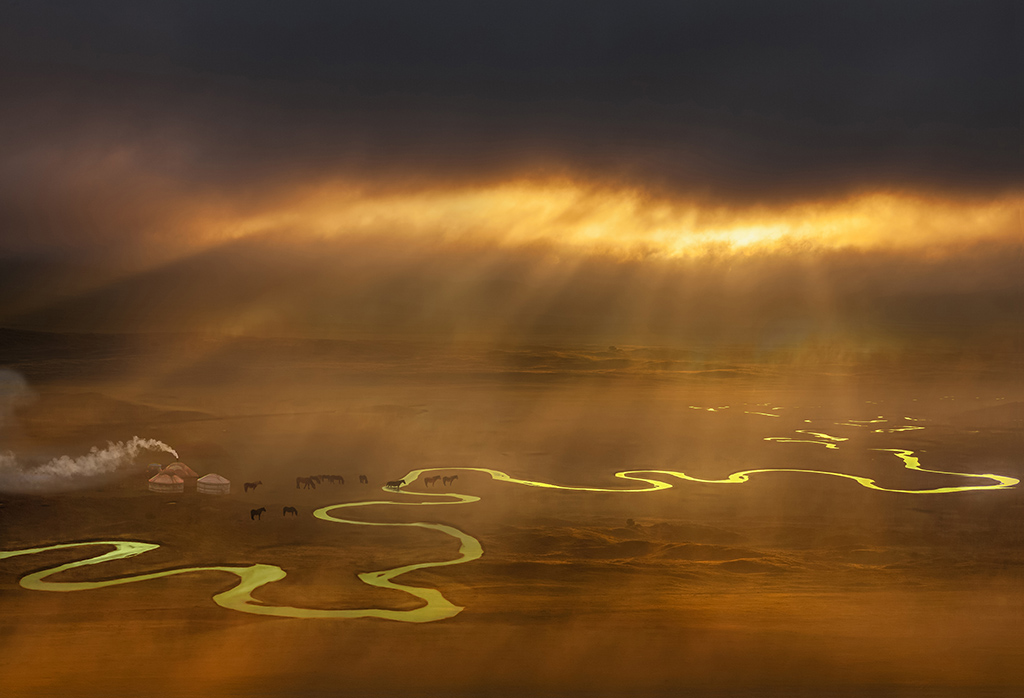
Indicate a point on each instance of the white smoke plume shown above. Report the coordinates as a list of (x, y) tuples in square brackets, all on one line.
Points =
[(66, 472)]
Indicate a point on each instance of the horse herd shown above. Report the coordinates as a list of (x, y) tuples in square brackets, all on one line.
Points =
[(310, 483)]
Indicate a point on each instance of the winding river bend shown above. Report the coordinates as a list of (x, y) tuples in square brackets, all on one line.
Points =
[(436, 606)]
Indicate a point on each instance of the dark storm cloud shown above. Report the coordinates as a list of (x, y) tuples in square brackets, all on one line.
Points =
[(740, 101), (919, 61)]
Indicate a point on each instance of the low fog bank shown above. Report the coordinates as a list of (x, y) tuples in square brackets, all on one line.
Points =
[(254, 408), (934, 365), (249, 407), (967, 298)]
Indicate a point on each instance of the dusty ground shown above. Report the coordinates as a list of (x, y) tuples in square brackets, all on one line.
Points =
[(786, 585)]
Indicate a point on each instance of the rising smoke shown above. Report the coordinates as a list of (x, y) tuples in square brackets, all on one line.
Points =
[(66, 472)]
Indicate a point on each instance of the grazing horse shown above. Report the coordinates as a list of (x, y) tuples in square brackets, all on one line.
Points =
[(290, 510), (431, 480), (252, 485), (257, 513), (315, 478), (335, 479), (394, 484), (363, 480), (447, 480), (307, 483)]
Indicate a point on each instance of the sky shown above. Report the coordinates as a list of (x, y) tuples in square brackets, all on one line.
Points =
[(642, 172)]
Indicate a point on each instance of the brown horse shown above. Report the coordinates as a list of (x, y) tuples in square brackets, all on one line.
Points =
[(290, 510), (447, 480), (394, 484), (363, 480), (257, 513), (308, 483), (252, 485), (431, 480)]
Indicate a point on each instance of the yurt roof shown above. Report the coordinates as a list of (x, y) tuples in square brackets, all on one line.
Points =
[(166, 479), (181, 469), (214, 479)]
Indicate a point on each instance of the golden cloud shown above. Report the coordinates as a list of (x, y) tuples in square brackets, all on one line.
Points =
[(619, 221)]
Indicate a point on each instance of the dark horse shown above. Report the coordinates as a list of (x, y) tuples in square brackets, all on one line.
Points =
[(449, 480), (290, 510), (257, 513), (307, 483), (363, 480), (431, 480), (252, 485), (394, 484)]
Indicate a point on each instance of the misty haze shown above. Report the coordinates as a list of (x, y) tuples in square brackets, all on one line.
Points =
[(511, 349)]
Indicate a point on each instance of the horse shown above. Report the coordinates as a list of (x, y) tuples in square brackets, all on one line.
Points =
[(308, 483), (257, 513), (335, 479), (290, 510), (431, 480), (252, 485), (315, 478), (394, 484), (363, 480), (447, 480)]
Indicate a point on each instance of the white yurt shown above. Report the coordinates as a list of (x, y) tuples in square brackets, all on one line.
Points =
[(213, 484), (166, 482), (181, 470)]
